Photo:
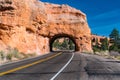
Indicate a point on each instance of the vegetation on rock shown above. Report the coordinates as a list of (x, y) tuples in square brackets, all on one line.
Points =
[(112, 45), (108, 47)]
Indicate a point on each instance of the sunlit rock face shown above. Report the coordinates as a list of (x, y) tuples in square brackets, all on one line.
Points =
[(98, 39), (30, 25)]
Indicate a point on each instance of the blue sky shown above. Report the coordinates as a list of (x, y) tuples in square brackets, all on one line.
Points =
[(102, 15)]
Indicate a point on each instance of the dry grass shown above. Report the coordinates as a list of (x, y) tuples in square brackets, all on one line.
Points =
[(13, 55), (107, 54)]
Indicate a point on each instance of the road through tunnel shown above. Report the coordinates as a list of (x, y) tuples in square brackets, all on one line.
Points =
[(63, 42)]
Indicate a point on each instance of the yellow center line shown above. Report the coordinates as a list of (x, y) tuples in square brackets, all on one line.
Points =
[(28, 65)]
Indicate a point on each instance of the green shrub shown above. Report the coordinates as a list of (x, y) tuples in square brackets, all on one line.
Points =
[(9, 56), (114, 48), (15, 53), (96, 48), (2, 56)]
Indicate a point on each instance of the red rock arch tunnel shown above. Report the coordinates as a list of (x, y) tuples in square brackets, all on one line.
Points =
[(33, 27), (51, 41)]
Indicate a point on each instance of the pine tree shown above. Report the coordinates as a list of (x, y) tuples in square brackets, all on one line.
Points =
[(114, 34), (71, 45), (105, 44), (115, 37), (64, 44)]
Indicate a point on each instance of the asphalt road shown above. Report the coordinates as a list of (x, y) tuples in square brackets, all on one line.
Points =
[(65, 66)]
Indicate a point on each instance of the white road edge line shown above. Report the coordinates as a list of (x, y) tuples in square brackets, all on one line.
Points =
[(63, 67)]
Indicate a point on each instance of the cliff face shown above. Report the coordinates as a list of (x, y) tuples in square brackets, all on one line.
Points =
[(18, 22), (30, 25)]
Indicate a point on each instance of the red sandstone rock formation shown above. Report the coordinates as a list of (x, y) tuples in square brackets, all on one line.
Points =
[(65, 20), (31, 25), (97, 38)]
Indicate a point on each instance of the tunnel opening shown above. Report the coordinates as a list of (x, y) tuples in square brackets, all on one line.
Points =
[(63, 42)]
